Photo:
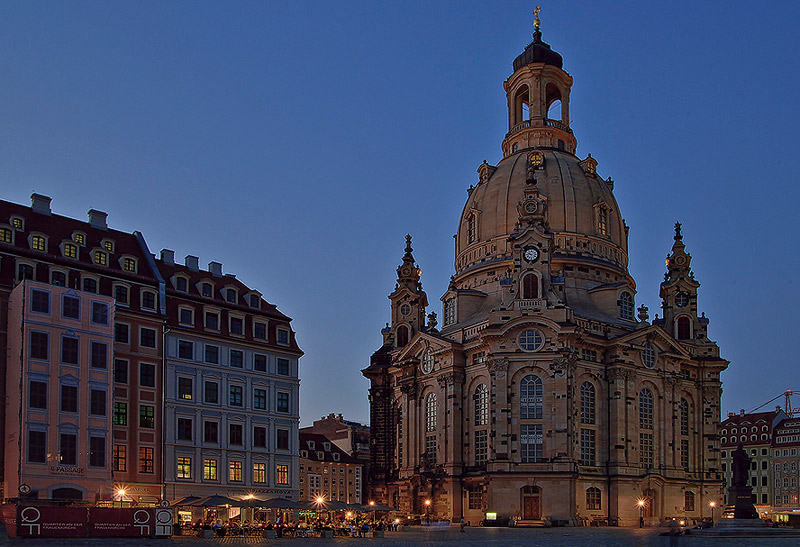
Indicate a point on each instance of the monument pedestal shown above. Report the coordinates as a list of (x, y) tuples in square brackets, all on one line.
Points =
[(742, 497)]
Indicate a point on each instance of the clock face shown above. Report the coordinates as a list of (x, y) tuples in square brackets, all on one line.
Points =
[(681, 299), (531, 255), (531, 207), (405, 309), (406, 271)]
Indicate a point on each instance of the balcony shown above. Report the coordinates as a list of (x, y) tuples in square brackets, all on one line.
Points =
[(531, 304), (558, 124)]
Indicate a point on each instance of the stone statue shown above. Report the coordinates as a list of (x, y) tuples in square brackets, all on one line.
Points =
[(740, 467)]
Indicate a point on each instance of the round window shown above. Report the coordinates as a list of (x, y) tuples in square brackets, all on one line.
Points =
[(531, 340), (648, 356), (405, 309)]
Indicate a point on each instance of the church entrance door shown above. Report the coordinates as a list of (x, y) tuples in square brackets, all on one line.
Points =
[(531, 503)]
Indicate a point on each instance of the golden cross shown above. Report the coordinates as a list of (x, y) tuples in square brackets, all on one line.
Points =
[(536, 21)]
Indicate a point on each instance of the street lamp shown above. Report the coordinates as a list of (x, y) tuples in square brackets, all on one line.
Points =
[(428, 511), (641, 503), (120, 495), (712, 504), (372, 504)]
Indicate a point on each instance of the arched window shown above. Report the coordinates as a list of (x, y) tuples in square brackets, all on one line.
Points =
[(481, 397), (646, 409), (593, 500), (449, 311), (688, 501), (530, 398), (626, 306), (587, 403), (684, 409), (602, 221), (24, 271), (472, 228), (430, 412), (402, 336), (684, 328), (530, 286)]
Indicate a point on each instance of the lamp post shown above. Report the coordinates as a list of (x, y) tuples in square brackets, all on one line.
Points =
[(712, 504), (428, 511), (372, 504), (641, 503), (120, 495)]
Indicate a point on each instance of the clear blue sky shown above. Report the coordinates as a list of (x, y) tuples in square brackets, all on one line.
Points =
[(298, 142)]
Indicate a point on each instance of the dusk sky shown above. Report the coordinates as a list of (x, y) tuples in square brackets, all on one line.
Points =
[(299, 142)]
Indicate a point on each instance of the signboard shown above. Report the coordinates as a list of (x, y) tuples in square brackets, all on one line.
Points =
[(51, 522), (121, 522)]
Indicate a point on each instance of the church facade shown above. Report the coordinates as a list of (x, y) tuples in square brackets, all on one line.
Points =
[(544, 395)]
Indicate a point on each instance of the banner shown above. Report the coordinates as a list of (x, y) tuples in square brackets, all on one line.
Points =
[(51, 522)]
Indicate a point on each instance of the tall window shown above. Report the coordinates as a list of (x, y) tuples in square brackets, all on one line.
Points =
[(684, 410), (70, 307), (646, 450), (402, 336), (587, 403), (37, 446), (184, 468), (530, 286), (120, 413), (602, 221), (530, 442), (40, 301), (430, 448), (472, 228), (481, 446), (481, 405), (626, 306), (99, 313), (593, 499), (587, 447), (430, 412), (530, 398), (146, 462), (685, 454), (449, 311), (97, 451), (260, 399), (235, 471), (684, 328), (210, 470), (688, 502), (120, 457), (281, 474), (69, 350), (235, 396), (40, 345), (37, 394), (646, 409), (147, 416), (69, 449), (260, 472)]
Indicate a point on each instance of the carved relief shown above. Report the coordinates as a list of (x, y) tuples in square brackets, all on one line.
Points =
[(498, 368), (564, 363)]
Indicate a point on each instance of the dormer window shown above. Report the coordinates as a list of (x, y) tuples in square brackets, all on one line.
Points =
[(39, 243), (326, 446), (181, 284), (336, 456), (129, 264), (6, 235), (18, 223), (100, 257), (148, 300), (602, 221), (449, 311), (70, 250), (311, 445), (230, 295), (283, 336), (321, 456), (255, 301), (79, 238), (625, 306), (108, 245), (472, 228), (207, 290)]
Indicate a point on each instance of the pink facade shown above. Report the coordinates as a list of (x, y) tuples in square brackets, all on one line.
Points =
[(59, 382)]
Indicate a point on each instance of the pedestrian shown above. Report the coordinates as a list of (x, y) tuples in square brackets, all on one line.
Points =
[(462, 525)]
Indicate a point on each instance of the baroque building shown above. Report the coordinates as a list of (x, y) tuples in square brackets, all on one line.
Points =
[(543, 395)]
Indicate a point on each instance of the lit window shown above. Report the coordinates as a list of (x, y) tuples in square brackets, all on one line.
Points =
[(70, 250), (602, 221), (120, 457), (79, 238), (146, 462), (260, 472), (210, 470), (100, 258), (235, 471), (282, 474), (108, 245), (6, 235), (17, 223), (185, 388), (184, 468), (593, 499), (38, 243), (129, 265)]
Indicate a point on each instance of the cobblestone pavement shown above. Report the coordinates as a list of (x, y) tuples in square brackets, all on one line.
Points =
[(442, 536)]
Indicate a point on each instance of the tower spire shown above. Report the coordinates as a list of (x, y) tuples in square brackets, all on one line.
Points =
[(536, 21)]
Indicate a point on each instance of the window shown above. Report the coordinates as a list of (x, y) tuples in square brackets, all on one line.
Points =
[(282, 402), (184, 429), (6, 236), (69, 449), (587, 447), (593, 499), (97, 451), (530, 286), (69, 399), (281, 474), (260, 437), (100, 257), (212, 320), (645, 409), (207, 290), (122, 333), (185, 349), (211, 392), (147, 417), (210, 432), (235, 396), (37, 394), (283, 336), (449, 311), (108, 245), (237, 325), (589, 355), (646, 450), (626, 306), (237, 358), (472, 228), (39, 243), (121, 294), (481, 398), (40, 301), (212, 354), (685, 454), (146, 462), (260, 399), (147, 337), (530, 441), (97, 402), (481, 446), (282, 367), (69, 350), (120, 457), (37, 446), (184, 470), (99, 313), (40, 345), (59, 279), (688, 503), (255, 301), (210, 470), (99, 357), (260, 362), (587, 403), (230, 295), (282, 439), (90, 285), (24, 271), (70, 307), (530, 398), (531, 340), (235, 471), (259, 330), (260, 472), (79, 238), (148, 300), (181, 284), (18, 223), (602, 221), (684, 410), (431, 409), (120, 371), (120, 413), (475, 499), (147, 375), (684, 328), (186, 316), (185, 388), (129, 264), (235, 435)]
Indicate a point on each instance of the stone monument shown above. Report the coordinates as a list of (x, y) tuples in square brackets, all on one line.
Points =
[(740, 491)]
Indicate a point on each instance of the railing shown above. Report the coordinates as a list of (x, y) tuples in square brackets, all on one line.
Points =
[(547, 123), (472, 332), (531, 304), (558, 125)]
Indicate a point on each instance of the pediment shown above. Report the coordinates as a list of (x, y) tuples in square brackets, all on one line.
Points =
[(421, 342), (651, 334)]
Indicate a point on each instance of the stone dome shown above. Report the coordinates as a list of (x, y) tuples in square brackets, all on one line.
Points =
[(538, 52), (571, 198)]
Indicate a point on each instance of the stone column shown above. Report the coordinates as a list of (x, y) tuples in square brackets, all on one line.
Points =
[(500, 415)]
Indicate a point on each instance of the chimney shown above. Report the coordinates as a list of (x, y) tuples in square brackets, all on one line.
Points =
[(168, 257), (40, 204), (731, 414), (215, 268), (97, 219), (191, 263), (741, 412)]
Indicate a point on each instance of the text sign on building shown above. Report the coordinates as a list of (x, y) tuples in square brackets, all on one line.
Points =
[(51, 522), (124, 522)]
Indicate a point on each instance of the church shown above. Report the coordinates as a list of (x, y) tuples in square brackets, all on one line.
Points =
[(545, 395)]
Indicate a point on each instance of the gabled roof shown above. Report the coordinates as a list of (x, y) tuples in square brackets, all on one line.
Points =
[(426, 339), (320, 449)]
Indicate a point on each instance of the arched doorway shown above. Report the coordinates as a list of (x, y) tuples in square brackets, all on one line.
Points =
[(72, 494), (531, 503), (649, 497)]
